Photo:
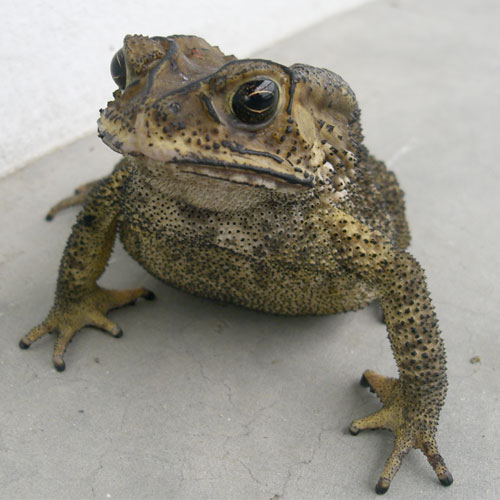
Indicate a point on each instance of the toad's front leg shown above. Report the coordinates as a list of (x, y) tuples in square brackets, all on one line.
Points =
[(412, 403), (79, 300), (413, 424)]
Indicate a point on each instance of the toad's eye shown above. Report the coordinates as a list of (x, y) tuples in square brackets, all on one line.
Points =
[(255, 101), (119, 70)]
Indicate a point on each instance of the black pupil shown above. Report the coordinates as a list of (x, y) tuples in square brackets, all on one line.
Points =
[(119, 70), (256, 101)]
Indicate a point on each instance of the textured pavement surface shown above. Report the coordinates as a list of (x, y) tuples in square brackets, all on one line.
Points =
[(199, 400)]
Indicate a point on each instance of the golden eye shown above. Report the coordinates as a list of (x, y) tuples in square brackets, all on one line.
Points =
[(256, 101)]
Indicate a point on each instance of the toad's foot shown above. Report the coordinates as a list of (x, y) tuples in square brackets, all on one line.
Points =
[(66, 318), (410, 431), (80, 195)]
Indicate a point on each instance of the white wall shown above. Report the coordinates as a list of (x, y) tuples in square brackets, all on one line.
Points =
[(55, 55)]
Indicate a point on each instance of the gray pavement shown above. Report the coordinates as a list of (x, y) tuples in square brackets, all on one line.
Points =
[(200, 400)]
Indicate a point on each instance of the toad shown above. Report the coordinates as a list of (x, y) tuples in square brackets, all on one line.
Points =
[(247, 182)]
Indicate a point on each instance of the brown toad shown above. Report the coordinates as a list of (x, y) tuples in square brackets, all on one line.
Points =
[(247, 182)]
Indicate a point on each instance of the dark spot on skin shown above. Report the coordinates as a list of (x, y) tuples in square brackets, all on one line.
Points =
[(88, 220)]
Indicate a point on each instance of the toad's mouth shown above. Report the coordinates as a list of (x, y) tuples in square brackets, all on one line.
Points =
[(213, 168), (231, 162), (237, 173)]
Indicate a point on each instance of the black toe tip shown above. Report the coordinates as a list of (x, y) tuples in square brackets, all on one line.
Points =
[(354, 433), (150, 295), (49, 217), (447, 480), (364, 381), (60, 367), (23, 344), (382, 487), (119, 334)]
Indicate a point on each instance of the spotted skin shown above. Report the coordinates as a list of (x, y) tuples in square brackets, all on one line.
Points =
[(284, 212)]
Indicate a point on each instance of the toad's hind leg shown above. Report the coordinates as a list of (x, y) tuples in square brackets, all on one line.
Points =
[(79, 196), (81, 193)]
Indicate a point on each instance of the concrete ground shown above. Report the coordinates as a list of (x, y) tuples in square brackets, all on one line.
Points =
[(200, 400)]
